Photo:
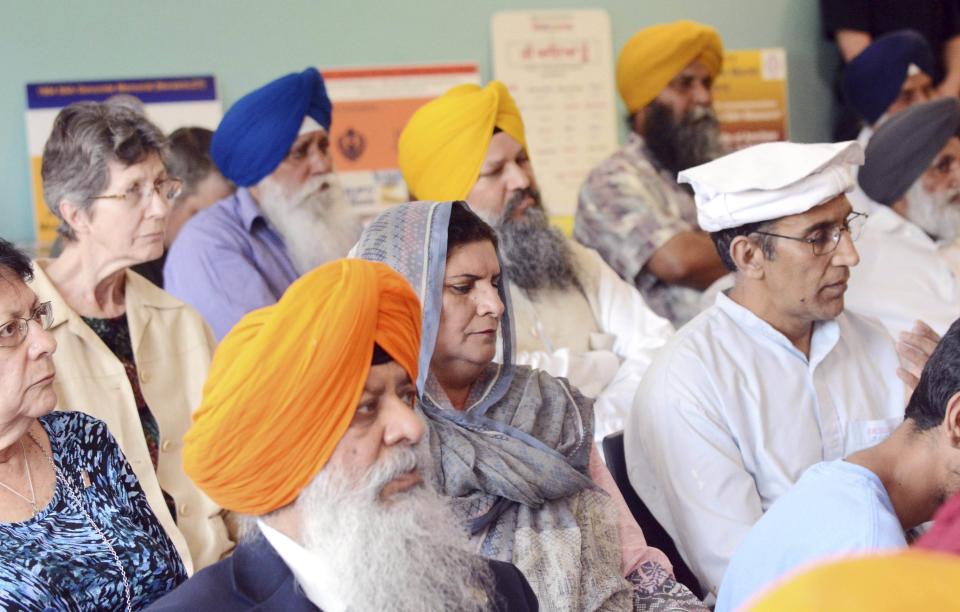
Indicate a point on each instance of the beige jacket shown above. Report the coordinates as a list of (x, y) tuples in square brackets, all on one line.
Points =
[(172, 347)]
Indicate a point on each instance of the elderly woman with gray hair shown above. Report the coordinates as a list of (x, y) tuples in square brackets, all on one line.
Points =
[(129, 354)]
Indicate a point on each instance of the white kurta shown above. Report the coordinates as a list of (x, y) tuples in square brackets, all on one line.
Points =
[(602, 340), (902, 276), (730, 414)]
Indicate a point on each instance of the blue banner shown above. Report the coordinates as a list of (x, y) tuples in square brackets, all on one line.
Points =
[(172, 89)]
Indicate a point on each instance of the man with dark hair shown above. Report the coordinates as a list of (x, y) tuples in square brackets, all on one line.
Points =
[(775, 376), (865, 501), (631, 209)]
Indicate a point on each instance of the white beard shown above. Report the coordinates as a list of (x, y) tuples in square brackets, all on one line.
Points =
[(407, 554), (317, 224), (938, 214)]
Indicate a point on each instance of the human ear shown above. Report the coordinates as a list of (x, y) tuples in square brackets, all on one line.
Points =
[(951, 420), (76, 217), (749, 257)]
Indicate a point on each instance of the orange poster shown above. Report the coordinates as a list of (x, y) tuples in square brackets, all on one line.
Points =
[(750, 96), (371, 106)]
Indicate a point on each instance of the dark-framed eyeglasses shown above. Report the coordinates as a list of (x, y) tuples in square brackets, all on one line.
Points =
[(168, 189), (824, 241), (14, 331)]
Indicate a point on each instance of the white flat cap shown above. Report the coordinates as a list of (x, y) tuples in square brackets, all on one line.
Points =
[(769, 181)]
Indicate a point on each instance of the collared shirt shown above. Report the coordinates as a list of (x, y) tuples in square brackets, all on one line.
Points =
[(318, 580), (901, 276), (836, 507), (629, 207), (227, 261), (731, 413)]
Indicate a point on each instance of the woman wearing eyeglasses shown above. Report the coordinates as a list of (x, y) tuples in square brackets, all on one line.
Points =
[(129, 354), (76, 532)]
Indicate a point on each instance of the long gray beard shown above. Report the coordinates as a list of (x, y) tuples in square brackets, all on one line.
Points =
[(938, 214), (317, 225), (535, 254), (692, 141), (408, 554)]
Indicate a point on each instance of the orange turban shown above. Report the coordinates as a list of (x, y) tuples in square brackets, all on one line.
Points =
[(653, 56), (443, 145), (286, 380), (909, 580)]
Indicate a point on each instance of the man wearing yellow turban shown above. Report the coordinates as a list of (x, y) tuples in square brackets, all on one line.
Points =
[(575, 318), (631, 209), (307, 427)]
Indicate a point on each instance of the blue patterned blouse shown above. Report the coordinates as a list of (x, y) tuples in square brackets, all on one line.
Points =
[(57, 561)]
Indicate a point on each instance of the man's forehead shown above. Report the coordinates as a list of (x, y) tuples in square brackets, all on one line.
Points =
[(308, 136), (833, 210), (502, 146), (694, 69), (15, 296)]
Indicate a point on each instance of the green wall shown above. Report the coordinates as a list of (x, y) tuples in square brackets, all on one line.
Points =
[(246, 43)]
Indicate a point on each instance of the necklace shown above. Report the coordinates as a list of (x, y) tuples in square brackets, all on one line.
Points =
[(32, 500), (76, 499)]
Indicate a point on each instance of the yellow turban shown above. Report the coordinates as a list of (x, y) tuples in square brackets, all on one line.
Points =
[(286, 380), (443, 145), (653, 56), (910, 580)]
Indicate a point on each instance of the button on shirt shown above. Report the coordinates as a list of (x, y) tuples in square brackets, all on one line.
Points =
[(628, 208), (730, 414), (835, 508), (902, 276), (227, 261)]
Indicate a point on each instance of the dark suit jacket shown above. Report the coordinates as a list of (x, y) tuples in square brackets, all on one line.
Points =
[(256, 578)]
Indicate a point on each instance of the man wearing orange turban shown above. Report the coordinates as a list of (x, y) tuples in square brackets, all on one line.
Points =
[(631, 209), (575, 318), (307, 427)]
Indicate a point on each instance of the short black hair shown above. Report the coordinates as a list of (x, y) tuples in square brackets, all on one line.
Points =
[(15, 260), (722, 240), (939, 382), (466, 227)]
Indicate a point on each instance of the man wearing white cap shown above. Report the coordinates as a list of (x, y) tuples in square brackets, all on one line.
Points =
[(775, 376)]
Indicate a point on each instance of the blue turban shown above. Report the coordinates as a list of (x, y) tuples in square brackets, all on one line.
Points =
[(259, 129), (872, 80)]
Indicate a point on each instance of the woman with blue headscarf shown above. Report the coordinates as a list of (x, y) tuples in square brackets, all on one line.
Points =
[(512, 446)]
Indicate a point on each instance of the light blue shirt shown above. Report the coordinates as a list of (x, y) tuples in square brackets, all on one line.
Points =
[(226, 261), (836, 507)]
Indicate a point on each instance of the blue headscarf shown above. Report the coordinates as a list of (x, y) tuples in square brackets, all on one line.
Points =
[(257, 132), (873, 79)]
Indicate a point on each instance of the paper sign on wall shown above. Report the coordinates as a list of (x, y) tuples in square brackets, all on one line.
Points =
[(371, 106), (559, 67), (750, 96), (170, 103)]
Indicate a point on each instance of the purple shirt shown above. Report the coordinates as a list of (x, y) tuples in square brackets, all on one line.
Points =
[(227, 261)]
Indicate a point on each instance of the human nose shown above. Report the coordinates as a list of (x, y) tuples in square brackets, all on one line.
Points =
[(404, 425), (702, 93), (40, 342), (516, 177), (489, 303), (846, 253), (157, 205), (321, 161)]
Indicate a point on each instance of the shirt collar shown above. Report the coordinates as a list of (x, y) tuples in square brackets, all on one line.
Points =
[(248, 209), (312, 572), (825, 336), (139, 293)]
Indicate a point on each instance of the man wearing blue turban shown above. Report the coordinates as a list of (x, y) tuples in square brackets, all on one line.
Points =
[(889, 76), (288, 216)]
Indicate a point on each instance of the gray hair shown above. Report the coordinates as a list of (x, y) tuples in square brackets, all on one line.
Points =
[(85, 137)]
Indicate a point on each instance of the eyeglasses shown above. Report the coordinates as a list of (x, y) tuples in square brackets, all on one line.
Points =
[(825, 241), (14, 332), (168, 189)]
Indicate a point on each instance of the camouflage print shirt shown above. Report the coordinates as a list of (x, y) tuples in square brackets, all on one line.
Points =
[(628, 208)]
